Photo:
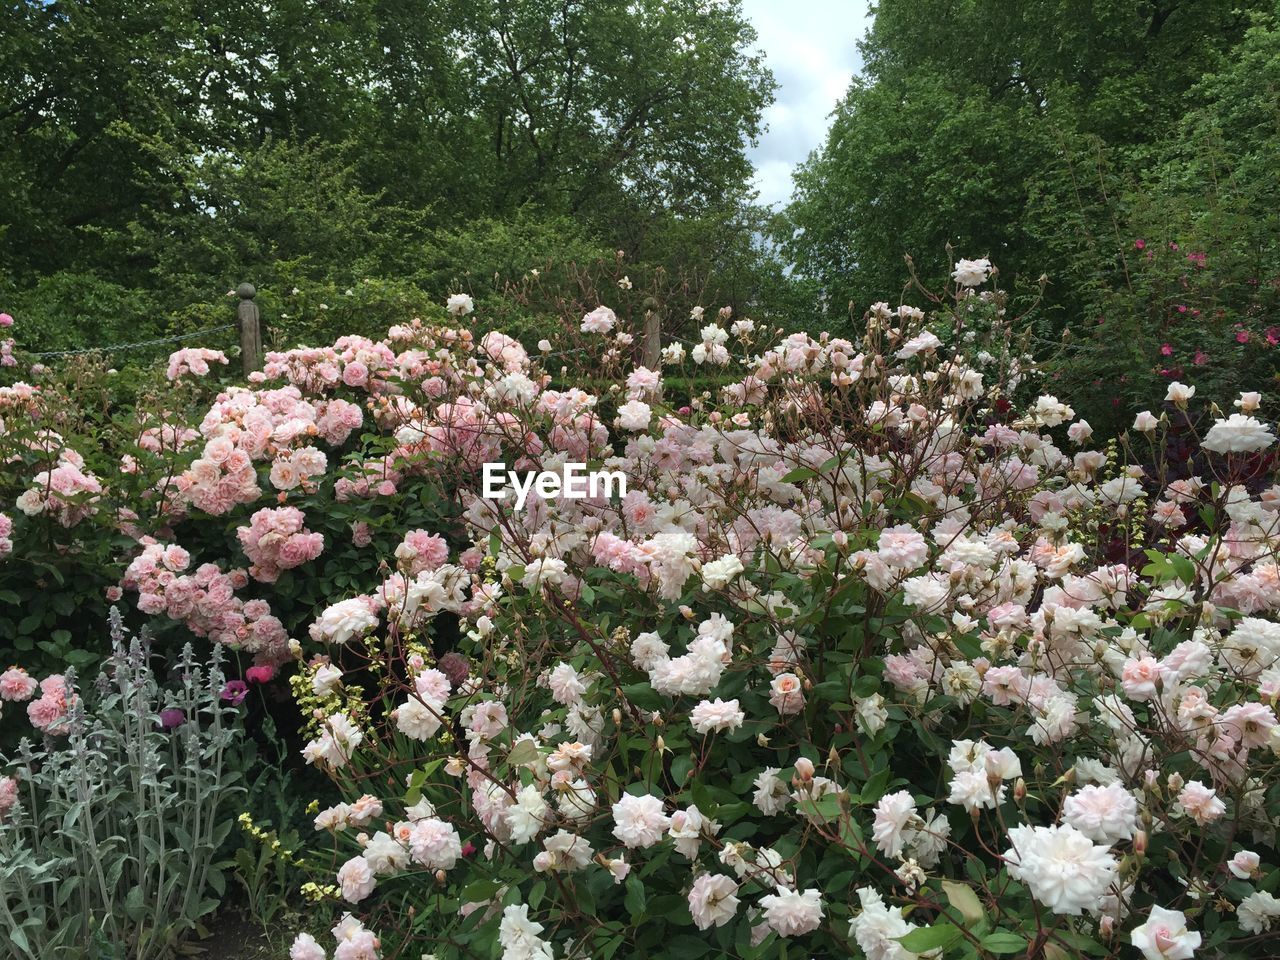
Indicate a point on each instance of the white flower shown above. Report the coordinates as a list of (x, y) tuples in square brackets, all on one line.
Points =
[(1244, 864), (1249, 401), (566, 684), (550, 571), (1165, 936), (639, 821), (460, 305), (528, 815), (878, 928), (716, 715), (305, 948), (418, 719), (434, 844), (872, 714), (1063, 868), (772, 795), (971, 273), (325, 680), (786, 694), (648, 650), (1238, 434), (1256, 912), (718, 573), (1179, 393), (893, 813), (1253, 646), (634, 415), (791, 913), (385, 854), (356, 879), (565, 851), (923, 342), (335, 745), (713, 900), (599, 320), (1145, 422), (688, 827), (343, 620), (31, 503), (519, 935), (1103, 814)]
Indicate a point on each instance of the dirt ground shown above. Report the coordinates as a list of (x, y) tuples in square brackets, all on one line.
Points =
[(232, 937)]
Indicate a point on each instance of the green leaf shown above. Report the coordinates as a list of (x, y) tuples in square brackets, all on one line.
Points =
[(799, 474), (134, 904), (635, 900), (480, 890), (685, 946), (930, 938), (526, 751), (1004, 941), (962, 897)]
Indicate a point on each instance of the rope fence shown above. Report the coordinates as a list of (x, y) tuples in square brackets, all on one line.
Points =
[(248, 325), (177, 338)]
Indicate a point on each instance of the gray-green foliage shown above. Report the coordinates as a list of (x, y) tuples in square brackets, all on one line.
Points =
[(112, 849)]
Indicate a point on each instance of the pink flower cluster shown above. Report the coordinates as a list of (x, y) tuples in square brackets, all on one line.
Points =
[(205, 601), (7, 359), (67, 492), (6, 534), (244, 426), (193, 360), (356, 362), (48, 712), (421, 551), (276, 540)]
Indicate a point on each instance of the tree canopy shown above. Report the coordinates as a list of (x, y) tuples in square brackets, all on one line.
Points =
[(178, 145)]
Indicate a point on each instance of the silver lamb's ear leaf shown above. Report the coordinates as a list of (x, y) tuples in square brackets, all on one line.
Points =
[(134, 904)]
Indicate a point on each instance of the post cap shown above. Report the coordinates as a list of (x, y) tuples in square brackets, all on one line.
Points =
[(246, 291)]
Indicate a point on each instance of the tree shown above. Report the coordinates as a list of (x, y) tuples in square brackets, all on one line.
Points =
[(124, 120), (972, 112)]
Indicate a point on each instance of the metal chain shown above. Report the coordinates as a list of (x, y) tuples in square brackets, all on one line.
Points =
[(132, 346)]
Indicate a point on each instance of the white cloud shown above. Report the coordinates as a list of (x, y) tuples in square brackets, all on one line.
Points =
[(810, 45)]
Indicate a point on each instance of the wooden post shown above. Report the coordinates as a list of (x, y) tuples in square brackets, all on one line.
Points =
[(249, 326), (651, 339)]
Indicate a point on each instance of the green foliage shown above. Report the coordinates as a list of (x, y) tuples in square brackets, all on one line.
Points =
[(160, 156), (979, 127), (113, 849)]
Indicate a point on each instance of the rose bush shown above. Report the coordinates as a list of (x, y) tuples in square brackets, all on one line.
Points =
[(881, 652)]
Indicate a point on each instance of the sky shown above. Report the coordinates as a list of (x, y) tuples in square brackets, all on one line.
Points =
[(810, 46)]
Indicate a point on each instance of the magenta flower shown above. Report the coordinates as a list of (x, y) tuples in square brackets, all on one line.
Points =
[(1139, 244), (1166, 350), (1242, 336), (6, 320), (234, 692), (172, 718), (260, 674), (1201, 358)]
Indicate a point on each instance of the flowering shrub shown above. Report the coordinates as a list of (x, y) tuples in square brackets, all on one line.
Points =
[(873, 654), (193, 361), (863, 658)]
